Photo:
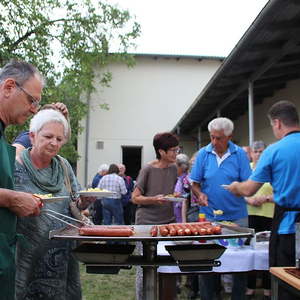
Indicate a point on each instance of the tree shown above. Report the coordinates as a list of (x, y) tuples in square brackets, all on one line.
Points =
[(65, 39)]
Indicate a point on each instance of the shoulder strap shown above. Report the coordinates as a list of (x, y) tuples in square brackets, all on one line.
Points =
[(66, 174)]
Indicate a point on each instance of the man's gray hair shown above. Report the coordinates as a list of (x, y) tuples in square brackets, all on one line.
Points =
[(221, 124), (258, 145), (21, 71), (103, 167), (48, 116)]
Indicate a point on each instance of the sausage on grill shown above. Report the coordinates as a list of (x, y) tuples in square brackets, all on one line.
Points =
[(106, 231), (154, 230), (163, 230)]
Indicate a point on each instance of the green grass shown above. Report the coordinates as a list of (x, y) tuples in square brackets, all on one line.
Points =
[(121, 286), (108, 287)]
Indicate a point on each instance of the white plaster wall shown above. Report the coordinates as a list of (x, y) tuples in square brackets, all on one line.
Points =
[(148, 98), (262, 128)]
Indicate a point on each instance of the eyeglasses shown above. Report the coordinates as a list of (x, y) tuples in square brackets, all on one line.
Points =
[(32, 100), (177, 150)]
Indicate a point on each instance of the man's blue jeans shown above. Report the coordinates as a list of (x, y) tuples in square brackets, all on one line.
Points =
[(112, 211)]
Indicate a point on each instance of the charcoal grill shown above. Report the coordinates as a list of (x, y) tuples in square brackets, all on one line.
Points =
[(148, 260)]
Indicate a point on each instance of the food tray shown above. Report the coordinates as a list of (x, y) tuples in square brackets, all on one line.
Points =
[(195, 252), (102, 253), (97, 194), (142, 233), (174, 199)]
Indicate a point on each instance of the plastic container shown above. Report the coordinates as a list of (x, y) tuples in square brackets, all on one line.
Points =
[(201, 217)]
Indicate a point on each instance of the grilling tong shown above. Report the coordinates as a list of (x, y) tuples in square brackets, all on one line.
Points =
[(59, 217)]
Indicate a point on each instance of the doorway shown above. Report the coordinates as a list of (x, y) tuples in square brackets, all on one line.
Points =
[(132, 159)]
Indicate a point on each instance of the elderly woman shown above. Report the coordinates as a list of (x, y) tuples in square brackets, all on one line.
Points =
[(22, 141), (182, 187), (45, 268)]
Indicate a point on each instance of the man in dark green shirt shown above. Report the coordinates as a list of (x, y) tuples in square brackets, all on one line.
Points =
[(20, 93)]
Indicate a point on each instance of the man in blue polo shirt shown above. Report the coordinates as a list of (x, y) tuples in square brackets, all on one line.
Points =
[(280, 165), (219, 163)]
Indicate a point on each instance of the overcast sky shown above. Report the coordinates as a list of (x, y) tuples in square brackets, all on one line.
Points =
[(191, 27)]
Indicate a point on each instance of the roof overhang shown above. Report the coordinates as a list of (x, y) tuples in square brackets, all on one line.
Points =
[(268, 55)]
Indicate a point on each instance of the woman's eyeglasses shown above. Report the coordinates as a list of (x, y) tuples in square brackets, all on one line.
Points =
[(177, 150)]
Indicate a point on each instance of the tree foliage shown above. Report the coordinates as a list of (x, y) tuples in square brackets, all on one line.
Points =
[(65, 39)]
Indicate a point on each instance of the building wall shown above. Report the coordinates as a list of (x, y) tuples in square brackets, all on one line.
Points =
[(262, 128), (148, 98)]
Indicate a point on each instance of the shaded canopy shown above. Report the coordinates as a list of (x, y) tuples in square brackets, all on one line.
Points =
[(268, 55)]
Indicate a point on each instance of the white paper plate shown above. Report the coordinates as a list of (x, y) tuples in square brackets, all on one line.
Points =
[(175, 199), (96, 194)]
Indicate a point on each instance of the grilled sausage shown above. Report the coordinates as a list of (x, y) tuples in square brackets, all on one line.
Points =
[(201, 230), (179, 229), (217, 229), (105, 231), (187, 230), (193, 229), (154, 230), (209, 229), (172, 230), (163, 230)]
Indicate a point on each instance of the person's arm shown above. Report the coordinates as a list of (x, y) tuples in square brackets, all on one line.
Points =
[(196, 176), (202, 198), (138, 198), (247, 188), (259, 200), (20, 203)]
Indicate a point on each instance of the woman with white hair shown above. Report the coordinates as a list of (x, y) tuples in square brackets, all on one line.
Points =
[(182, 186), (45, 268)]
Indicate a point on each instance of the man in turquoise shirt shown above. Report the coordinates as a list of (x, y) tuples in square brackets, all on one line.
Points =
[(217, 164), (280, 165)]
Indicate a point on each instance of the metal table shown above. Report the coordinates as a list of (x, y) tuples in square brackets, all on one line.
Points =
[(149, 260)]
